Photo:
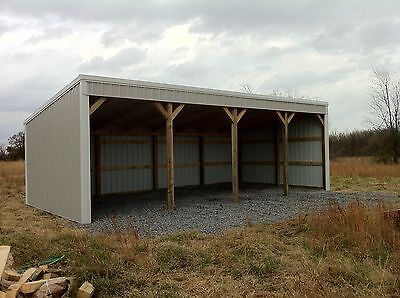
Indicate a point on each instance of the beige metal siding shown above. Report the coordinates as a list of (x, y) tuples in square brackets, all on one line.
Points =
[(53, 157), (108, 87)]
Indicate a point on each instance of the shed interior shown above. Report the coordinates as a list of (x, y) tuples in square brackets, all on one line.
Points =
[(128, 147)]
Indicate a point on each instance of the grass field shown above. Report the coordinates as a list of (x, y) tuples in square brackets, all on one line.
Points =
[(341, 252)]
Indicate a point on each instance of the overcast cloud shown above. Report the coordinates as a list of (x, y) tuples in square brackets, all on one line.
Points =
[(317, 49)]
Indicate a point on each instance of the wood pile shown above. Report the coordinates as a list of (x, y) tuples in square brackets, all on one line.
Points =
[(35, 282)]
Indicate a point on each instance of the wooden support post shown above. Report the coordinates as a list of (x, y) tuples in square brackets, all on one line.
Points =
[(323, 127), (235, 117), (201, 159), (154, 144), (98, 164), (285, 122), (277, 155), (169, 114)]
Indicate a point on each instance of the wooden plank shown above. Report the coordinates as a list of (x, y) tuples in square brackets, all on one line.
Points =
[(31, 287), (177, 111), (241, 114), (96, 105), (11, 275), (235, 170), (229, 114), (259, 162), (201, 160), (283, 120), (217, 163), (170, 159), (154, 148), (4, 251), (86, 290), (162, 110), (13, 290), (277, 157), (125, 142), (289, 119), (258, 141), (158, 133), (321, 119), (125, 167)]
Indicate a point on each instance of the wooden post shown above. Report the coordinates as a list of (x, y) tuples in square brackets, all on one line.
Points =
[(277, 156), (234, 117), (98, 164), (155, 161), (201, 159), (169, 114), (323, 127), (285, 122)]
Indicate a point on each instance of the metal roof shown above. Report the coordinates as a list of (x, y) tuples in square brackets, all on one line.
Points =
[(152, 91)]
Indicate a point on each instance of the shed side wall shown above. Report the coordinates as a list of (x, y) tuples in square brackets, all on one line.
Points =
[(53, 162)]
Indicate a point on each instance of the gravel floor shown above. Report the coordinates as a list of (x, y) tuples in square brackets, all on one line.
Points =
[(211, 210)]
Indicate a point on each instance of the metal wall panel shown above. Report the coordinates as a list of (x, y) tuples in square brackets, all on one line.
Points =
[(308, 151), (53, 157), (186, 151), (217, 149), (253, 149), (113, 154)]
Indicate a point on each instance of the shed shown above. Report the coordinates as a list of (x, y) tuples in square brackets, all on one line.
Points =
[(102, 135)]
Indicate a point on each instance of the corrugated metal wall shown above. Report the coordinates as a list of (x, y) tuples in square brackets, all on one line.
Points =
[(217, 160), (258, 155), (307, 150), (53, 158), (126, 162), (186, 160)]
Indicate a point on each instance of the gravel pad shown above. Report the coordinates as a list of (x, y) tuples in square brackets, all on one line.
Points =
[(211, 210)]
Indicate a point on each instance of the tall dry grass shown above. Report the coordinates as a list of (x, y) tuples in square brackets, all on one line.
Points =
[(363, 167), (12, 177)]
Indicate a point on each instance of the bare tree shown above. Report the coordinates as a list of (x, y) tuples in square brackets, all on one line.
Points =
[(246, 88), (385, 108)]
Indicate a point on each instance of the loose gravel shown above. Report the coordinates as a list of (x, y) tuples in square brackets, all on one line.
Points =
[(211, 210)]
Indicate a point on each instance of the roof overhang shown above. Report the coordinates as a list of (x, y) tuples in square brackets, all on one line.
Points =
[(141, 90)]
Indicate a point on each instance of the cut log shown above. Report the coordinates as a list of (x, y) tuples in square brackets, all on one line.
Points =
[(13, 290), (3, 294), (11, 275), (4, 251), (86, 290), (31, 287)]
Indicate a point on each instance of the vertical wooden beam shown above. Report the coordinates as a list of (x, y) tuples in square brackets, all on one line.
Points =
[(285, 120), (169, 114), (98, 164), (286, 156), (155, 161), (277, 156), (170, 158), (234, 117), (201, 159), (235, 170)]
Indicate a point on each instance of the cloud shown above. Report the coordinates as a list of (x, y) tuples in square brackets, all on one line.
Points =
[(49, 34), (124, 59)]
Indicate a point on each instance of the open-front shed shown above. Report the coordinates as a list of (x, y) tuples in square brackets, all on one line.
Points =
[(102, 135)]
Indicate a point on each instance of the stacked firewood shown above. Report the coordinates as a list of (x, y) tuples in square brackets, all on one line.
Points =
[(41, 281)]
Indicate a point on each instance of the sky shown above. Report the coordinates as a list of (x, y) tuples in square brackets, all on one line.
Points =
[(322, 50)]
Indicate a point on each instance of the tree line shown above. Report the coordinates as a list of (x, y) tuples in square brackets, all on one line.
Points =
[(15, 149)]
